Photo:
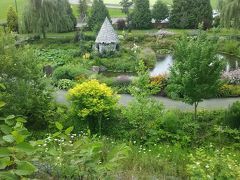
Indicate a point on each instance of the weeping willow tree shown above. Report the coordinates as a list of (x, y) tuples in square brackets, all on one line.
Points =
[(42, 16), (230, 13)]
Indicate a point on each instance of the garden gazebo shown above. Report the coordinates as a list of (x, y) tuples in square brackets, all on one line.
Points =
[(107, 39)]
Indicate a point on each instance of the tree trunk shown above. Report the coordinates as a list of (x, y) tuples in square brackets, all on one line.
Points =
[(43, 33), (100, 125), (195, 110)]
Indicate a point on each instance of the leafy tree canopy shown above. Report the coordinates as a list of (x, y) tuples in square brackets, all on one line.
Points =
[(160, 11), (41, 16), (189, 14), (196, 72)]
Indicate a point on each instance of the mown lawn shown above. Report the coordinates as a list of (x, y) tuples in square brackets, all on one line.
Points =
[(4, 6), (112, 11)]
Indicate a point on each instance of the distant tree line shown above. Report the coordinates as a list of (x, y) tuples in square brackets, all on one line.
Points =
[(42, 16)]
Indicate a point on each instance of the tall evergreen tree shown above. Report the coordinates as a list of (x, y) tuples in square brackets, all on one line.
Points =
[(190, 13), (12, 20), (41, 16), (97, 15), (83, 9), (230, 13), (160, 11), (141, 16)]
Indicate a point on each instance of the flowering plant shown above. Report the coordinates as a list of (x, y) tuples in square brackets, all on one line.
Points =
[(233, 77)]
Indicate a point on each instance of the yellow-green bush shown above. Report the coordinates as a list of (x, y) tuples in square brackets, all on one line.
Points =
[(92, 101), (229, 90)]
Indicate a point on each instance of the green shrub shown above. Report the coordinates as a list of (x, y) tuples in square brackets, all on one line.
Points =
[(142, 117), (149, 57), (161, 82), (233, 116), (65, 84), (229, 91), (170, 122), (12, 20), (70, 72), (64, 155), (125, 63), (213, 164), (92, 102)]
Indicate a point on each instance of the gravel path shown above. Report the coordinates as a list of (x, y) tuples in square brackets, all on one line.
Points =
[(210, 104)]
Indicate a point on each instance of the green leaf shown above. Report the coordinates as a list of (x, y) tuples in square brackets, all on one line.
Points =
[(8, 138), (25, 168), (18, 137), (59, 126), (10, 120), (8, 175), (5, 129), (56, 134), (4, 162), (2, 86), (69, 130), (4, 152), (21, 120), (25, 147), (2, 104)]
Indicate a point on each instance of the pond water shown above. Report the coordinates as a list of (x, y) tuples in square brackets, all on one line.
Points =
[(162, 66), (164, 63)]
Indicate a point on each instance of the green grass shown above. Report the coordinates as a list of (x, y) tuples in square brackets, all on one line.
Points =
[(112, 11), (4, 6)]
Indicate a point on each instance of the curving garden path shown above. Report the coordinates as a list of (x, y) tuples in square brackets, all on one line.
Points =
[(209, 104)]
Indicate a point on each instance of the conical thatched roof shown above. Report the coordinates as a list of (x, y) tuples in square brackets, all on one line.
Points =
[(107, 34)]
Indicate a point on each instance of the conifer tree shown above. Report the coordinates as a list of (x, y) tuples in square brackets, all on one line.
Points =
[(190, 13), (12, 20), (141, 16), (97, 15)]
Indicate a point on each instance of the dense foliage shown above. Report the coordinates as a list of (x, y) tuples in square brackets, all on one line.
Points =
[(23, 78), (48, 16), (141, 15), (188, 14), (160, 11), (196, 72), (12, 20), (92, 102), (97, 15), (230, 13)]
